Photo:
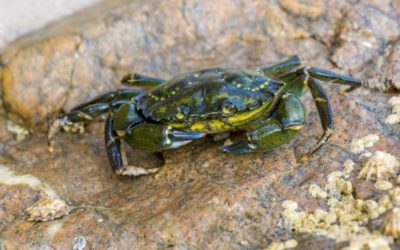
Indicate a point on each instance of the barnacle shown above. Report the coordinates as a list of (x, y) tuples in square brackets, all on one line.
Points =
[(371, 207), (337, 185), (290, 205), (379, 166), (369, 241), (395, 117), (385, 203), (394, 100), (348, 167), (383, 185), (358, 145), (282, 245), (317, 192), (47, 209), (396, 108), (391, 226), (394, 196)]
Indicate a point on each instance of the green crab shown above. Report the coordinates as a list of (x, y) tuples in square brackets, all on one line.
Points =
[(264, 104)]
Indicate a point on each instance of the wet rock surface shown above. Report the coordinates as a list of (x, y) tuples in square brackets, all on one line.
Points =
[(201, 198)]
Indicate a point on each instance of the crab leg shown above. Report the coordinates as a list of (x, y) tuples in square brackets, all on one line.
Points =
[(135, 79), (150, 136), (306, 76), (274, 131), (91, 109), (328, 76), (114, 152), (286, 65), (113, 145), (121, 94), (325, 115)]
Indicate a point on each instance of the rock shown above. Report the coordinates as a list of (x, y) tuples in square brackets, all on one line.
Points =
[(369, 41), (43, 78), (201, 198)]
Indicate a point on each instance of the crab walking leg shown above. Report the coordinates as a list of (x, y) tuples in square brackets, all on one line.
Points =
[(325, 115), (121, 94), (328, 76), (90, 110), (135, 79), (113, 145), (154, 137), (286, 65), (271, 133), (113, 148)]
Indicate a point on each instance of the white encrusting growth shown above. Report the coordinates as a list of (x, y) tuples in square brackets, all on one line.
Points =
[(8, 177), (19, 132), (53, 229)]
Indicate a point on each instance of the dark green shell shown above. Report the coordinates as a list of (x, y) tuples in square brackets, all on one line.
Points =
[(202, 95)]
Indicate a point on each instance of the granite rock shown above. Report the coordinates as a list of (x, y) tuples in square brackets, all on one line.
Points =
[(201, 198)]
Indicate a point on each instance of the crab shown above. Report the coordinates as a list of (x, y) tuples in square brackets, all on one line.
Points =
[(263, 103)]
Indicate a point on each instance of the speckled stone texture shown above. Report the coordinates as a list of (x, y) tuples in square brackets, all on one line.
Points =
[(201, 198)]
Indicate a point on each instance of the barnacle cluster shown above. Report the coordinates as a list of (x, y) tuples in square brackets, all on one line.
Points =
[(345, 216), (359, 145), (380, 166), (395, 116)]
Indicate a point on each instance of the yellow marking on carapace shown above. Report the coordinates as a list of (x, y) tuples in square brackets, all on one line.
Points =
[(176, 125), (263, 85), (243, 117), (154, 97), (180, 115), (216, 126), (211, 126)]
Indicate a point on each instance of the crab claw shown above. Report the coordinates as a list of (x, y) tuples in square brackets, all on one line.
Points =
[(242, 147), (180, 135)]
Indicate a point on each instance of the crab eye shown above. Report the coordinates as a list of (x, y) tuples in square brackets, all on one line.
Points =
[(228, 108), (180, 115), (181, 112)]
